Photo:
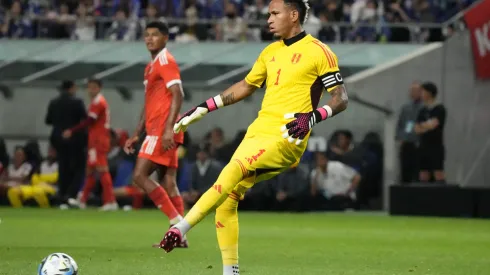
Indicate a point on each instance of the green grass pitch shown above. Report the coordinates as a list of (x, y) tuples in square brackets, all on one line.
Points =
[(270, 244)]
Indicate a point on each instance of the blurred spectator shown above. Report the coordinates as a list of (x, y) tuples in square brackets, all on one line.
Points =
[(189, 29), (256, 12), (327, 33), (64, 112), (58, 20), (4, 163), (333, 184), (19, 171), (430, 127), (151, 14), (334, 10), (204, 173), (4, 157), (313, 24), (33, 153), (340, 144), (217, 145), (424, 11), (41, 184), (15, 24), (365, 12), (166, 7), (396, 14), (211, 9), (60, 25), (122, 28), (406, 137), (84, 25), (231, 28), (291, 190)]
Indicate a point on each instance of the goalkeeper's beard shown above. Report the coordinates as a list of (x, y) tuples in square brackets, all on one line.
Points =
[(277, 36)]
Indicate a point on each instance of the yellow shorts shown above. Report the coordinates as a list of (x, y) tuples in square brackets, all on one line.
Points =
[(29, 191), (266, 156)]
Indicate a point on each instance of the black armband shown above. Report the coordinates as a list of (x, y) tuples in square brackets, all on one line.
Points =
[(332, 79)]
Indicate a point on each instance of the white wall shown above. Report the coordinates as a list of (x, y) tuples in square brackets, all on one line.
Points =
[(467, 132)]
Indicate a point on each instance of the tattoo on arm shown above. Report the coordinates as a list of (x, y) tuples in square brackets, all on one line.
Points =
[(228, 99), (237, 92), (339, 100)]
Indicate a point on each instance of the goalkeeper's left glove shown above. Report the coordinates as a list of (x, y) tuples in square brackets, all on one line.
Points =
[(196, 113), (301, 126)]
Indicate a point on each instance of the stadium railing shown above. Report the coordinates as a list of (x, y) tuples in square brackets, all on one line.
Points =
[(340, 28)]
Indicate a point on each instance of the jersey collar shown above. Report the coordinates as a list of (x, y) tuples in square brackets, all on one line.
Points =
[(290, 41), (97, 98), (162, 52)]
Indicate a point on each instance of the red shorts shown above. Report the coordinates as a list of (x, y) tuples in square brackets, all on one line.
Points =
[(152, 149), (97, 157)]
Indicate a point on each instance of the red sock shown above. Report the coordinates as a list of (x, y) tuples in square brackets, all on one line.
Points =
[(138, 200), (162, 201), (107, 188), (87, 188), (137, 196), (178, 204)]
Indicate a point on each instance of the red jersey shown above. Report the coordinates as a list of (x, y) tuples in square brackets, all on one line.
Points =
[(160, 74), (98, 132)]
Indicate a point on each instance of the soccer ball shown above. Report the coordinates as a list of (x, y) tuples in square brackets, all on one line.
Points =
[(58, 264)]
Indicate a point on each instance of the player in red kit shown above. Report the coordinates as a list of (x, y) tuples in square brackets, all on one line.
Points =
[(163, 99), (98, 123)]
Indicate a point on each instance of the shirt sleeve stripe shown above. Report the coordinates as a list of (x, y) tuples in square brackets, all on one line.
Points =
[(173, 82), (330, 58), (251, 83), (163, 58), (330, 53)]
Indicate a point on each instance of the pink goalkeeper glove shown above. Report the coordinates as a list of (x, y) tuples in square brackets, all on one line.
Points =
[(299, 128)]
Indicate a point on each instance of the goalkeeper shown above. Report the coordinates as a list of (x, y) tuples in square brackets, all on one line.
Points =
[(296, 70)]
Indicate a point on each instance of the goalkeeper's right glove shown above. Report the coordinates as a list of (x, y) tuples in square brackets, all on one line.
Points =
[(196, 113)]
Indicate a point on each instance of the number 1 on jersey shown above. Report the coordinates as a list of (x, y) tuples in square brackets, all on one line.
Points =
[(277, 79)]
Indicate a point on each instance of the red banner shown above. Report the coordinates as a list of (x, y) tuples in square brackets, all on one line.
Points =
[(478, 22)]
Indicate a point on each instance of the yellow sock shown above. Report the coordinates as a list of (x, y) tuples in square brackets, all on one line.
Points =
[(14, 195), (227, 231), (231, 175)]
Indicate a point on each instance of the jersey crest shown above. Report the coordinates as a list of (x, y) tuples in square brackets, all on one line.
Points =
[(296, 58)]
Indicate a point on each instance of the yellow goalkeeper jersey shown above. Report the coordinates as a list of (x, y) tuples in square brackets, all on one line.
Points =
[(295, 72)]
